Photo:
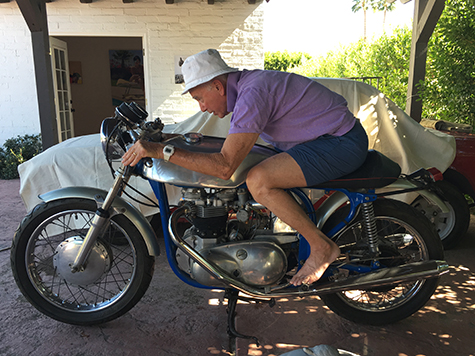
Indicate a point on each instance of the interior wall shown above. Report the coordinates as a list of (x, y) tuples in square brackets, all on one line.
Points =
[(92, 100), (168, 32)]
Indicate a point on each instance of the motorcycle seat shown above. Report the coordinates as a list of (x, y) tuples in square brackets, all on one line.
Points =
[(377, 171)]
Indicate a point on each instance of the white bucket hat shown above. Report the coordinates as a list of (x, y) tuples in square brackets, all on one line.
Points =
[(203, 67)]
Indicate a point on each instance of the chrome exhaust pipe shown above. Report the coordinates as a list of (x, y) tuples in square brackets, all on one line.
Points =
[(383, 277), (386, 276)]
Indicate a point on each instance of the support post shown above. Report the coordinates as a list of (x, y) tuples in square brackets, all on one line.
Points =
[(426, 15), (34, 12)]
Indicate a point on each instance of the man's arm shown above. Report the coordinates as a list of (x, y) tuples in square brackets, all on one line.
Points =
[(222, 164)]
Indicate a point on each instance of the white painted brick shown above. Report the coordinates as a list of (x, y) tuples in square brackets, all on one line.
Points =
[(184, 28)]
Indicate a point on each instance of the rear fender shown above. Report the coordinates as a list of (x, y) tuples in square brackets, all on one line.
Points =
[(428, 195), (119, 206), (337, 199), (328, 207)]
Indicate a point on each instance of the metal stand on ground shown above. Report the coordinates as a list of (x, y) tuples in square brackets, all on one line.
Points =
[(232, 296)]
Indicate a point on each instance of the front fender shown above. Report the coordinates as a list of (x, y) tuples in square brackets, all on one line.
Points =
[(119, 205)]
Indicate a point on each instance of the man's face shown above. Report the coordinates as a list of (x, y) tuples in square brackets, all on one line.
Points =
[(211, 97)]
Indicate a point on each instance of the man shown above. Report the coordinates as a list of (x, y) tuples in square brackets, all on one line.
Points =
[(319, 140)]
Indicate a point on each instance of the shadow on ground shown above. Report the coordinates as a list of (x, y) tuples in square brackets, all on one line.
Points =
[(176, 319)]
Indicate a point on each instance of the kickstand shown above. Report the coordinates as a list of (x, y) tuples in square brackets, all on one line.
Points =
[(232, 296)]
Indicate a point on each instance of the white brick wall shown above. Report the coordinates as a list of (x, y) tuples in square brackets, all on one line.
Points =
[(186, 27)]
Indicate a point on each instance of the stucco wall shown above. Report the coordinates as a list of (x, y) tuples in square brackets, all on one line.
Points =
[(183, 28)]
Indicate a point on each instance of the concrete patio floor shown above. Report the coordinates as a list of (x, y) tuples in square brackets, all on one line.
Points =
[(176, 319)]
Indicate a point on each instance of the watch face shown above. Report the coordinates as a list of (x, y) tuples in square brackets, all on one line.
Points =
[(168, 150)]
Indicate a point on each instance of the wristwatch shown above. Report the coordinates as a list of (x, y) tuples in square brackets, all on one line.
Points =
[(168, 151)]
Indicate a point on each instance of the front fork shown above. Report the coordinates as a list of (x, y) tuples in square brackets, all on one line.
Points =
[(101, 219)]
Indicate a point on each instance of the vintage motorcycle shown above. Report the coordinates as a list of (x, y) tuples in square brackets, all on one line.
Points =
[(85, 256)]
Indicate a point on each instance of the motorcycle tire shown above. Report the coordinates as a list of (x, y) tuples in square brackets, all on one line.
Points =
[(453, 225), (408, 237), (117, 273)]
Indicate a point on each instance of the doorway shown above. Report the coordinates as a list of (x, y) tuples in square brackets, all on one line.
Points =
[(93, 82), (62, 90)]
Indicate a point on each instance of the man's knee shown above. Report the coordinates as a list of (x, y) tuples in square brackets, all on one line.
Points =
[(256, 180)]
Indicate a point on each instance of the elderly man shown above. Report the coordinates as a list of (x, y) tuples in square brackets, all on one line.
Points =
[(319, 139)]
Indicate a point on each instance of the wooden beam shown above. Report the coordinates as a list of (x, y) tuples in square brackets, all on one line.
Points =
[(169, 1), (426, 16), (127, 1), (34, 12), (85, 1)]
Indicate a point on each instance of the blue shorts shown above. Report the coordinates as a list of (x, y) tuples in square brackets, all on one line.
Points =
[(329, 157)]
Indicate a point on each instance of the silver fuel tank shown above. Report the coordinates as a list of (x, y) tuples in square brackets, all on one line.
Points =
[(167, 172)]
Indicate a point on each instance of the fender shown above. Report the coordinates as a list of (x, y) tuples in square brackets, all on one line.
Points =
[(328, 207), (337, 199), (428, 195), (119, 205)]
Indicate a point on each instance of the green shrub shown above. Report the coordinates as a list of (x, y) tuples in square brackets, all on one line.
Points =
[(282, 61), (449, 88), (16, 151), (386, 57), (448, 92)]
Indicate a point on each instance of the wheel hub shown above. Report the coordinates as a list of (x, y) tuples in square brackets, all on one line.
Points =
[(97, 264)]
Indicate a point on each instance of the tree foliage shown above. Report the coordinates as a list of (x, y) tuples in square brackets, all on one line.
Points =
[(449, 88), (15, 151), (375, 5), (386, 57), (448, 93), (284, 61)]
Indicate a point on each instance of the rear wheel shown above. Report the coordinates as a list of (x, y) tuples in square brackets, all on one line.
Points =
[(450, 226), (117, 273), (405, 236)]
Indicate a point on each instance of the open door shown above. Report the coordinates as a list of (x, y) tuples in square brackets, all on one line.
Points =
[(62, 89)]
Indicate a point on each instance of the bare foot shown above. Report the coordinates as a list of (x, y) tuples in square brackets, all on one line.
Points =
[(316, 264)]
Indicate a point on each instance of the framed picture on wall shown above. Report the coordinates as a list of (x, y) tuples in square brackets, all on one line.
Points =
[(127, 76), (75, 72), (178, 74)]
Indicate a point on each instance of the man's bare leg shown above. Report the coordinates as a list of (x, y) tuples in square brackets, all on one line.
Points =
[(266, 183)]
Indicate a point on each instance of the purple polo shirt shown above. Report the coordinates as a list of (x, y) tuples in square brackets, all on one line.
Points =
[(285, 108)]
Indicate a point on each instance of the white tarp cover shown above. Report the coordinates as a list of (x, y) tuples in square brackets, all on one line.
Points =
[(80, 161)]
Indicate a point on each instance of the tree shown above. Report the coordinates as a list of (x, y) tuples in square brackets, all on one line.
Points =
[(383, 5), (386, 57), (376, 5), (448, 92), (361, 5)]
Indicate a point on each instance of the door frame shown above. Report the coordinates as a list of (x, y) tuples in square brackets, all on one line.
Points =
[(62, 88)]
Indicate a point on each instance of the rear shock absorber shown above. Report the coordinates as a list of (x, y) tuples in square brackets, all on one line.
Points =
[(370, 228)]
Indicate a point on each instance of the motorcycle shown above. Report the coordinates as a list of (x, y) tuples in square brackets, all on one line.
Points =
[(85, 256)]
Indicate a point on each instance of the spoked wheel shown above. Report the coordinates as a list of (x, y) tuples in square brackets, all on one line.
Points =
[(117, 273), (450, 226), (405, 236)]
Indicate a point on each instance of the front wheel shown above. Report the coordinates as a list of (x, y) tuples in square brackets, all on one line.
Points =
[(117, 273), (405, 236)]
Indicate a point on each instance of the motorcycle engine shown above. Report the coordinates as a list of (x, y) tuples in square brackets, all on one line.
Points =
[(234, 233)]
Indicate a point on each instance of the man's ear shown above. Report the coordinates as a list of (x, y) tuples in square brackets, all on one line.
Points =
[(219, 86)]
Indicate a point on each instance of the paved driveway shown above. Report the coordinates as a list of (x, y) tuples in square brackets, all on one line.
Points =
[(175, 319)]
